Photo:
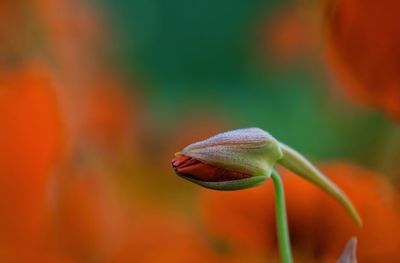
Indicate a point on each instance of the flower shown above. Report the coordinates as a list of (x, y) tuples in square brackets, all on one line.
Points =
[(229, 161), (362, 36), (32, 143), (161, 236), (289, 35), (244, 158)]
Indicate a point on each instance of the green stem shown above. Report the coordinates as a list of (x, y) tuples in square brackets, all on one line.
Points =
[(298, 164), (281, 220)]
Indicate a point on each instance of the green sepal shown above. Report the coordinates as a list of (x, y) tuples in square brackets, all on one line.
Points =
[(229, 185)]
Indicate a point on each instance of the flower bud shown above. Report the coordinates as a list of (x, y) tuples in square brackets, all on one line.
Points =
[(229, 161), (244, 158)]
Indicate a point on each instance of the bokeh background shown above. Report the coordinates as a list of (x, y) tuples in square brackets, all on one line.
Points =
[(96, 96)]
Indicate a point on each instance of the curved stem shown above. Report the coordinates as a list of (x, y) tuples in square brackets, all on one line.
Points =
[(281, 220), (298, 164)]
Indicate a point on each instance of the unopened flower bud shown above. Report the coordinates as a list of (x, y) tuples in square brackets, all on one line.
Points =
[(244, 158), (229, 161)]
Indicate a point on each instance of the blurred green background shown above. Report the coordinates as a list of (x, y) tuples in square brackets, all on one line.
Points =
[(216, 58)]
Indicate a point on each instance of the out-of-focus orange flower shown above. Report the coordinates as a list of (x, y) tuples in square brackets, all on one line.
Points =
[(14, 39), (73, 31), (99, 112), (31, 140), (319, 228), (107, 119), (362, 47), (86, 218), (290, 35), (158, 236)]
